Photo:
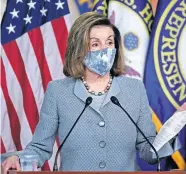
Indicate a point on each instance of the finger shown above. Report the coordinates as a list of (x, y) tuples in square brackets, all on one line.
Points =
[(182, 108), (7, 167), (18, 167), (5, 170), (4, 163), (13, 166), (2, 169)]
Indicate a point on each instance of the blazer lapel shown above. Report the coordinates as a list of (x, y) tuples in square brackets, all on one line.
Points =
[(81, 92), (114, 90)]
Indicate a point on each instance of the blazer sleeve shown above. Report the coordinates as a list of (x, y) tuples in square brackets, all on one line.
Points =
[(146, 125), (45, 133)]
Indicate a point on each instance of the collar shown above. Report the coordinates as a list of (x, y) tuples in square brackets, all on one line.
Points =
[(81, 92)]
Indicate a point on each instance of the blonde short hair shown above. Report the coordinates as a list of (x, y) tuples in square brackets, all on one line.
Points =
[(78, 45)]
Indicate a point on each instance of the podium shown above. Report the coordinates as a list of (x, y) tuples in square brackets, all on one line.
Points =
[(90, 172)]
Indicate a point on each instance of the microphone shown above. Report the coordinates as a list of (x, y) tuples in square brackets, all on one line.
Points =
[(116, 102), (87, 103)]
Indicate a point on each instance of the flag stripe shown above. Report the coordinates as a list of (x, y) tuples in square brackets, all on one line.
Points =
[(38, 45), (6, 130), (177, 157), (9, 113), (68, 21), (46, 167), (17, 64), (52, 53), (16, 97), (60, 35), (51, 161), (32, 69), (3, 150)]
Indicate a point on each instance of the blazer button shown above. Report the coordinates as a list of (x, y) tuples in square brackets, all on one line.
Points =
[(101, 123), (102, 164), (102, 144)]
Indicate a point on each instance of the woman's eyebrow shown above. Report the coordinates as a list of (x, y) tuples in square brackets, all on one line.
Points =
[(98, 38), (110, 36), (94, 38)]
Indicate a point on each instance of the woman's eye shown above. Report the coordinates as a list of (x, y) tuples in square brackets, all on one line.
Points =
[(110, 43), (95, 45)]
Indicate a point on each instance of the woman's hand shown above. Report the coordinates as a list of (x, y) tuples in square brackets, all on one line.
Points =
[(11, 163), (182, 107)]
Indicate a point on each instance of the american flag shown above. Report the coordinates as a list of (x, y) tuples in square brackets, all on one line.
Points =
[(33, 41)]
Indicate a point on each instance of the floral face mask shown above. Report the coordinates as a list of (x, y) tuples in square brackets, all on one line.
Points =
[(100, 61)]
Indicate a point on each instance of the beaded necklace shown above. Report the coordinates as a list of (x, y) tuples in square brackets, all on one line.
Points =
[(97, 93)]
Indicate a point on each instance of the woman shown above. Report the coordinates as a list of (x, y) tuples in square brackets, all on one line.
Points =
[(104, 138)]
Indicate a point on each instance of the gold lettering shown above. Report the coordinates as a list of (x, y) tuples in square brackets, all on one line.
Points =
[(129, 2), (95, 2), (168, 56), (173, 32), (170, 66), (150, 25), (146, 13), (174, 79), (103, 7), (182, 92), (169, 42), (182, 9), (169, 69), (176, 20)]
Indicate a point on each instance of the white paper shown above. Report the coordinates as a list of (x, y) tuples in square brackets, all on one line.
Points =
[(169, 129)]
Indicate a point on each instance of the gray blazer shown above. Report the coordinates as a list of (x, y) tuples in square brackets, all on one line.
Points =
[(104, 139)]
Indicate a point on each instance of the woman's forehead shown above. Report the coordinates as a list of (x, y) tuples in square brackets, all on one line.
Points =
[(101, 31)]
